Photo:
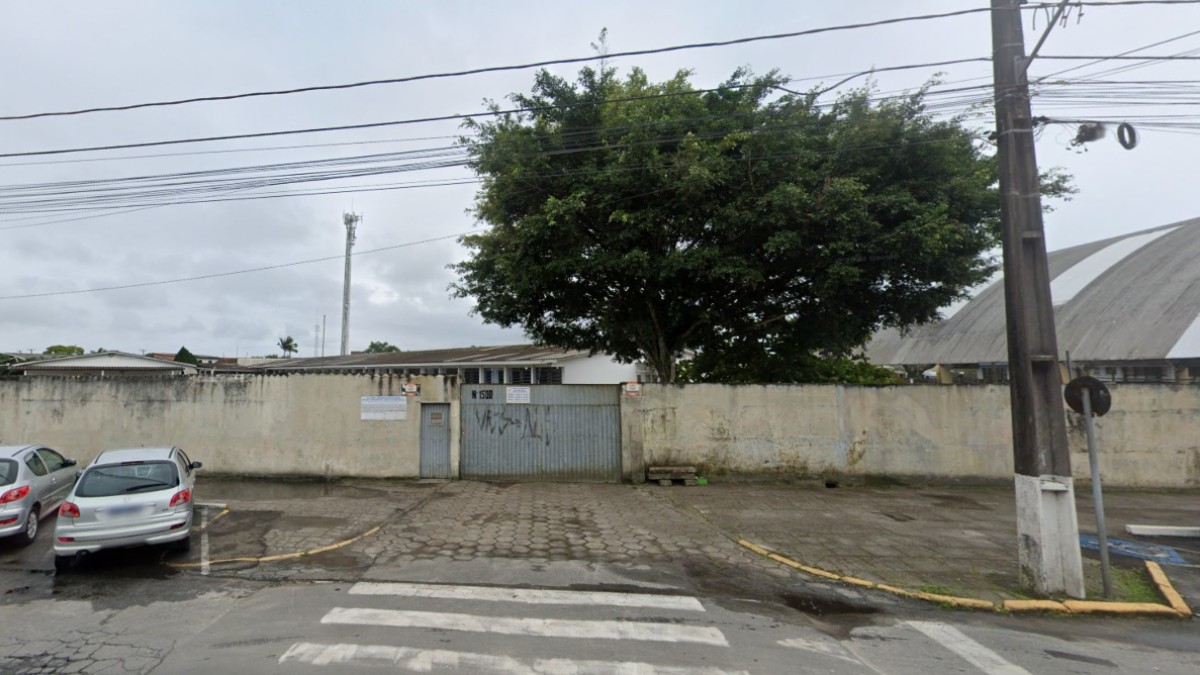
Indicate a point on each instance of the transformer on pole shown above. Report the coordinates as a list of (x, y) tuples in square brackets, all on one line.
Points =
[(351, 221)]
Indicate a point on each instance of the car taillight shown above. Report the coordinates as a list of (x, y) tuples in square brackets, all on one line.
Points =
[(181, 497), (14, 494), (68, 510)]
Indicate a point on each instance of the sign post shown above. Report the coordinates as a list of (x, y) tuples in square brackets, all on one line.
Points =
[(1079, 394)]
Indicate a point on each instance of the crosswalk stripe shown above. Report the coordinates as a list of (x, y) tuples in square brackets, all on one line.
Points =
[(570, 628), (530, 596), (976, 654), (426, 660)]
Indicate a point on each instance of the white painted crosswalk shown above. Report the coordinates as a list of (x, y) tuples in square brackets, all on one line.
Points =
[(516, 612), (427, 660), (530, 627)]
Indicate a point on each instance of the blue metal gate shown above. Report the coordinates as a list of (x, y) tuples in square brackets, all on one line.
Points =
[(435, 440), (541, 432)]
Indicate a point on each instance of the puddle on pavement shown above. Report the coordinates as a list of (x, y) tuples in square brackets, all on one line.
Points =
[(817, 606)]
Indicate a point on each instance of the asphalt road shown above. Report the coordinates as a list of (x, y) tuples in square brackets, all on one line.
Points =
[(132, 612)]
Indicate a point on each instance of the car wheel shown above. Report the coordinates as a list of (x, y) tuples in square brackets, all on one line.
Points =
[(25, 537), (64, 563)]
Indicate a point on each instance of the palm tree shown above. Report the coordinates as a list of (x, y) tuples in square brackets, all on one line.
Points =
[(288, 345)]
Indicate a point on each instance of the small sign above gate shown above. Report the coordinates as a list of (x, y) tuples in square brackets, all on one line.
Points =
[(412, 389), (633, 388), (517, 395)]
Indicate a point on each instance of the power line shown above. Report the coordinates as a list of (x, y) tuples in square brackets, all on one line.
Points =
[(497, 69), (422, 120), (1165, 57), (1131, 51), (229, 274)]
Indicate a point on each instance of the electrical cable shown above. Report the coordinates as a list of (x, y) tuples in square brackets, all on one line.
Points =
[(217, 275), (497, 69)]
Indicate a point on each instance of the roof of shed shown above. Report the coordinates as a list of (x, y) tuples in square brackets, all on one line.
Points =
[(1129, 298), (106, 361), (521, 355)]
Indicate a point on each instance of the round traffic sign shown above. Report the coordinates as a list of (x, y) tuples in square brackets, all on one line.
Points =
[(1101, 399)]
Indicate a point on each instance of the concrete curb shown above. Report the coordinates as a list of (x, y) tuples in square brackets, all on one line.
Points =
[(282, 556), (1176, 607)]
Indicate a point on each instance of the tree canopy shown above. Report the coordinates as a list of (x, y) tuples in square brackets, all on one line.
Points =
[(380, 348), (185, 356), (63, 350), (757, 232)]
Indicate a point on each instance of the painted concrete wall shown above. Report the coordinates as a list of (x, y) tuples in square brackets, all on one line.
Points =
[(310, 425), (258, 424), (1151, 437), (598, 369)]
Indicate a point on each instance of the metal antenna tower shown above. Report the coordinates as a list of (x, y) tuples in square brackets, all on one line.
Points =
[(351, 221)]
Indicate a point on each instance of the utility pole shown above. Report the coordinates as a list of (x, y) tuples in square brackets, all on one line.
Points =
[(1047, 529), (351, 221)]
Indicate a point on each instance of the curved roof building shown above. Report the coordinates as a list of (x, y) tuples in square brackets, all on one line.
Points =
[(1131, 301)]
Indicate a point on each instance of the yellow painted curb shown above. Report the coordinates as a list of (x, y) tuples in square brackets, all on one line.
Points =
[(285, 556), (1034, 606), (1177, 606), (755, 547), (967, 603), (1119, 608), (1172, 596)]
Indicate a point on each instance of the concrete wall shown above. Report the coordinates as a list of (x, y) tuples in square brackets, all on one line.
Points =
[(1150, 438), (597, 369), (311, 425), (256, 424)]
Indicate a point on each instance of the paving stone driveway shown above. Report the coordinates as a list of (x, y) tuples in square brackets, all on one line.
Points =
[(551, 521)]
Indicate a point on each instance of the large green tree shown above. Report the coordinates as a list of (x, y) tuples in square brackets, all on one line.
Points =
[(756, 231)]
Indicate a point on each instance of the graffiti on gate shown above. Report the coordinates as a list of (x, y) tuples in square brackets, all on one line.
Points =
[(530, 422)]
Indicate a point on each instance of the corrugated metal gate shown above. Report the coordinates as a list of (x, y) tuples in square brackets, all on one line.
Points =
[(435, 440), (541, 432)]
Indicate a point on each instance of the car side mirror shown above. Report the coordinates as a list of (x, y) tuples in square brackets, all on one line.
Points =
[(69, 462), (195, 465)]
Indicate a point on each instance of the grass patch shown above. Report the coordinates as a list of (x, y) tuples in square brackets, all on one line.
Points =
[(1130, 584)]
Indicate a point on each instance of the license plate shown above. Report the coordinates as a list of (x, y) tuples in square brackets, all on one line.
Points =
[(124, 510)]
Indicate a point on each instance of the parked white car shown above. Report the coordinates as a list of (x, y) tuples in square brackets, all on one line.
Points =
[(33, 481), (129, 497)]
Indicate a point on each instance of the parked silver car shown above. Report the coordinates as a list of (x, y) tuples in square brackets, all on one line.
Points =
[(33, 481), (127, 498)]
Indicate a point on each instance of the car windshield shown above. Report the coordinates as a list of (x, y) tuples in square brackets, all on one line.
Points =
[(118, 479), (8, 471)]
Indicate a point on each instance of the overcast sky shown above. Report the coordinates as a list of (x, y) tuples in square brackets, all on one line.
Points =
[(56, 56)]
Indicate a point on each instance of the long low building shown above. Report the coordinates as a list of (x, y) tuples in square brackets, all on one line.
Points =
[(1126, 309), (505, 364)]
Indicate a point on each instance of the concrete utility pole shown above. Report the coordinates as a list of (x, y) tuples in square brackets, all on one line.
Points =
[(351, 222), (1047, 530)]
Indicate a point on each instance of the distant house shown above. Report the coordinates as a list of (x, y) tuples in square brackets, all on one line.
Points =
[(507, 364), (1127, 309), (104, 364)]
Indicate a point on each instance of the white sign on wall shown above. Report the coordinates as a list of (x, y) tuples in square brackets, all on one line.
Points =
[(516, 395), (383, 408)]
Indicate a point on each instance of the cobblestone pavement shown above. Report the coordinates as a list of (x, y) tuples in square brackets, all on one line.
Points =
[(563, 522), (270, 520), (960, 539)]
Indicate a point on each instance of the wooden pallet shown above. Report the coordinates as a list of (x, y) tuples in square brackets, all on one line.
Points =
[(672, 475)]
